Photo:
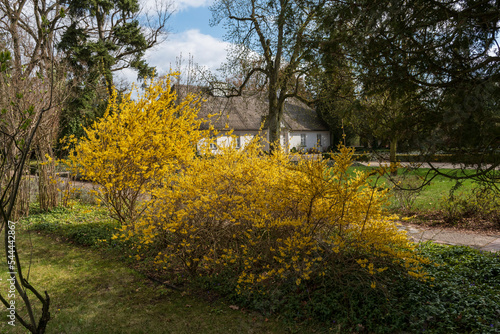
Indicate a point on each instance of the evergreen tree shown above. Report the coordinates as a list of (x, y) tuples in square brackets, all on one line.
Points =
[(103, 37), (443, 53)]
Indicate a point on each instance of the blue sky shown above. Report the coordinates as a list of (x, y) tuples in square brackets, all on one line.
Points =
[(195, 18), (190, 36)]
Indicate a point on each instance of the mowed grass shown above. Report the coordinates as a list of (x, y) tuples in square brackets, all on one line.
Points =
[(93, 293), (432, 194)]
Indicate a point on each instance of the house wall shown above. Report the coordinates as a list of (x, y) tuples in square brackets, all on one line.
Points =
[(294, 139), (311, 140), (223, 139), (245, 138)]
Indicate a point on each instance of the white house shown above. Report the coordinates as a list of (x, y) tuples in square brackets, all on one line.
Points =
[(245, 115)]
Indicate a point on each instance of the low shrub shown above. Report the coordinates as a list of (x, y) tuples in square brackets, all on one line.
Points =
[(406, 189), (82, 224), (361, 157), (466, 159), (482, 203), (270, 221)]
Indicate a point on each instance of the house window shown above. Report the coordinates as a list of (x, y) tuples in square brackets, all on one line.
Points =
[(213, 143), (319, 139), (302, 139), (238, 141)]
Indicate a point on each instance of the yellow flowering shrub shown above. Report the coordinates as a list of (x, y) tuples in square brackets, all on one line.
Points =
[(264, 218), (268, 220), (137, 145)]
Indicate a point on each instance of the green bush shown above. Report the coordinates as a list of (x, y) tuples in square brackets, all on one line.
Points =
[(362, 157), (450, 158), (406, 191)]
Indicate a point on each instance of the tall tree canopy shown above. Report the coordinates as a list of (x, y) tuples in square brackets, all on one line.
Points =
[(445, 51), (444, 54)]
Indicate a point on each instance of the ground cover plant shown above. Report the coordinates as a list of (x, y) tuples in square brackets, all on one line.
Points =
[(80, 223), (463, 298)]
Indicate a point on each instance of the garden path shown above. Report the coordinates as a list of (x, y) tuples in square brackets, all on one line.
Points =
[(482, 241)]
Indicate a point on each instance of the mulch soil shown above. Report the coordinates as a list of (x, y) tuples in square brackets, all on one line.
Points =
[(435, 220)]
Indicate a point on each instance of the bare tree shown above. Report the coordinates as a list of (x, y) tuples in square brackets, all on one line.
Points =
[(32, 90), (30, 29), (274, 42), (19, 122)]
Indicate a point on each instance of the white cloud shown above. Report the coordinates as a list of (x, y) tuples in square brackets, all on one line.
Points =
[(125, 77), (206, 51), (176, 5)]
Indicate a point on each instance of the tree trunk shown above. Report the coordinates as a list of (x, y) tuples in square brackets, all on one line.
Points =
[(274, 120), (392, 156)]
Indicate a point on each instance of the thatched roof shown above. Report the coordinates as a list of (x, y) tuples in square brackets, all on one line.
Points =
[(249, 111)]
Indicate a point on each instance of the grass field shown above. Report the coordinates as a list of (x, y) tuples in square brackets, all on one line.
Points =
[(432, 194), (96, 293)]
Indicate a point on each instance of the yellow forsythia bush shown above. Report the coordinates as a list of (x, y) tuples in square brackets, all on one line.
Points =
[(268, 219), (137, 145), (263, 218)]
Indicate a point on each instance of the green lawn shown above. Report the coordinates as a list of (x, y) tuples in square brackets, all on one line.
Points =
[(92, 292), (431, 195)]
